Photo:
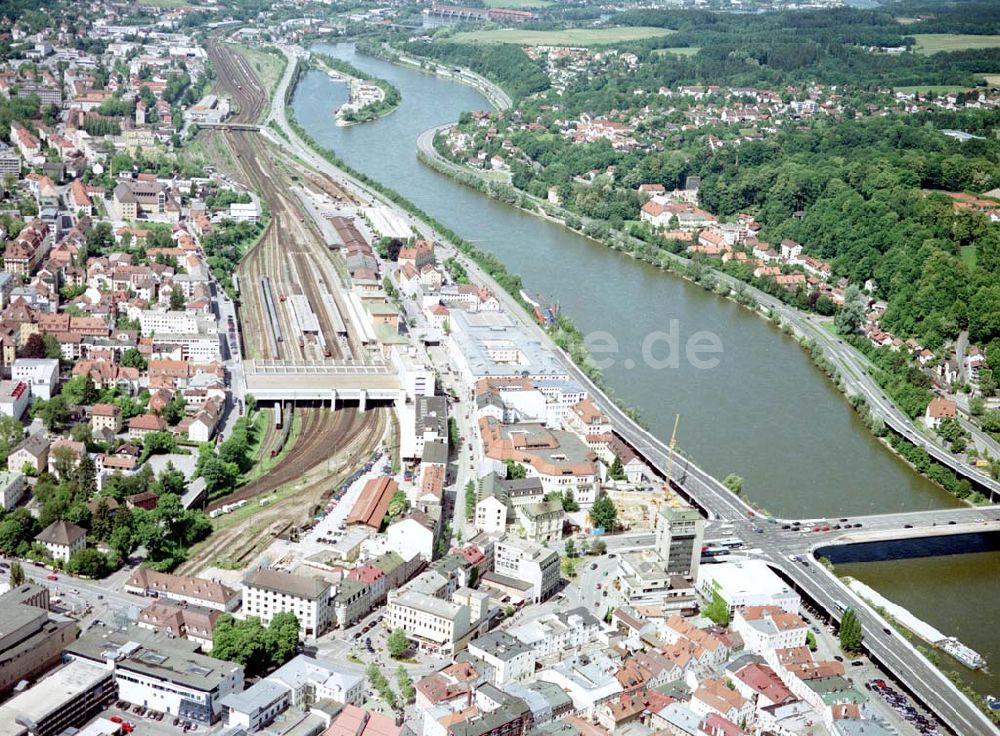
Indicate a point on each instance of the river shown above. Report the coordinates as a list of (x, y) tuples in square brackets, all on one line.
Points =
[(764, 412)]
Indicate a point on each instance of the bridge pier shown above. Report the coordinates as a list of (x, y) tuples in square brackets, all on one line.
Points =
[(362, 400), (333, 400)]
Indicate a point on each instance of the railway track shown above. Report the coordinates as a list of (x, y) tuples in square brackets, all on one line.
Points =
[(238, 544), (318, 440), (238, 81), (291, 253), (330, 443)]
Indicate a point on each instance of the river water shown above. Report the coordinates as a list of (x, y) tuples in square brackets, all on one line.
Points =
[(763, 412)]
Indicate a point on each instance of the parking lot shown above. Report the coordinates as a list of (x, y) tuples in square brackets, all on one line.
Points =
[(149, 722), (902, 705), (338, 507)]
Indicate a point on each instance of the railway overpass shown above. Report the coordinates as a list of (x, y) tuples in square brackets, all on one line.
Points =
[(333, 381)]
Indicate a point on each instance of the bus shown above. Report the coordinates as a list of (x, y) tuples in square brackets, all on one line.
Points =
[(731, 543)]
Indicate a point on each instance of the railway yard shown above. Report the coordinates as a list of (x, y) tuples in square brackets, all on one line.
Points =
[(291, 306)]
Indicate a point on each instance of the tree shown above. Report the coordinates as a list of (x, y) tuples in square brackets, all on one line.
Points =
[(470, 501), (11, 433), (157, 443), (17, 530), (381, 685), (220, 477), (54, 412), (132, 358), (604, 514), (17, 576), (34, 346), (598, 547), (515, 471), (567, 566), (734, 483), (811, 641), (617, 471), (850, 632), (282, 638), (243, 642), (173, 411), (398, 643), (397, 505), (570, 548), (89, 563), (406, 689), (851, 315), (717, 610)]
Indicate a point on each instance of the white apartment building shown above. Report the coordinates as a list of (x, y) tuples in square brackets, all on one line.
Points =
[(156, 321), (509, 659), (766, 628), (11, 489), (529, 562), (413, 536), (311, 679), (556, 633), (268, 592), (435, 623)]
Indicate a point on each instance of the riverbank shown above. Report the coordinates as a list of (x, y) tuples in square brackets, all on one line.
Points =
[(490, 90), (347, 114), (847, 375), (803, 464)]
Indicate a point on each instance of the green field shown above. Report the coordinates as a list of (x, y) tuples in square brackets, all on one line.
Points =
[(931, 43), (992, 79), (938, 89), (568, 37), (517, 4), (679, 51), (163, 3)]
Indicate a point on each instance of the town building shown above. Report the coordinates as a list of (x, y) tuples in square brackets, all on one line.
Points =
[(11, 489), (679, 536), (310, 680), (67, 699), (164, 674), (437, 625), (507, 659), (62, 540), (183, 589), (267, 592), (31, 453), (529, 562), (40, 374), (746, 583), (31, 639)]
